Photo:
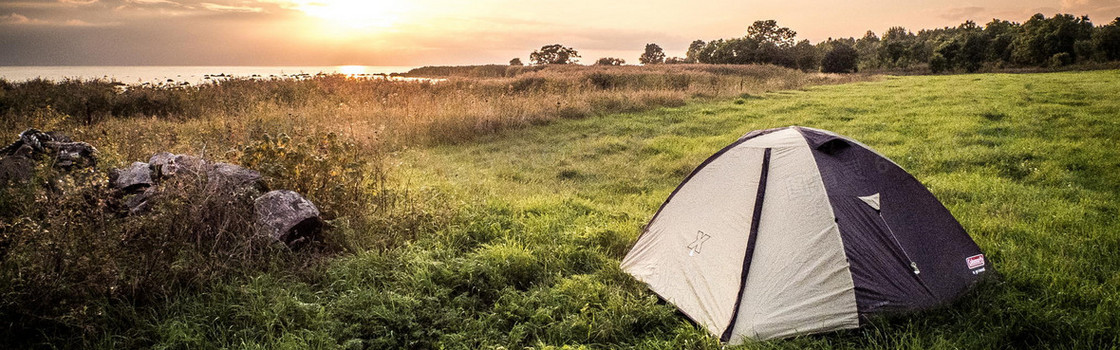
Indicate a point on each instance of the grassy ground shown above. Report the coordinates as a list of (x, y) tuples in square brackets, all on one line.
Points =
[(541, 216), (513, 239)]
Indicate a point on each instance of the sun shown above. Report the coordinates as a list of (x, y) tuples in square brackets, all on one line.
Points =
[(355, 14), (352, 70)]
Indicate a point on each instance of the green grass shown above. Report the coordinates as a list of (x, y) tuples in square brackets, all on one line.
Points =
[(542, 215)]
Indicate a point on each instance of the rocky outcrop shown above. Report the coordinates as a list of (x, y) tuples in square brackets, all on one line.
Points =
[(18, 159), (282, 215)]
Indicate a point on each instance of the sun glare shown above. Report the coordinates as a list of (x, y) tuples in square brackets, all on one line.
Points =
[(352, 70), (355, 14)]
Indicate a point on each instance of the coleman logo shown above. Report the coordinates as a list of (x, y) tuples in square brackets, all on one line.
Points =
[(975, 261), (694, 247)]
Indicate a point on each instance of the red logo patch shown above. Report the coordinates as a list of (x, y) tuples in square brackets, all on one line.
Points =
[(975, 261)]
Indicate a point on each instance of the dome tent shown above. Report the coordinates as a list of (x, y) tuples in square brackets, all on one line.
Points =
[(797, 230)]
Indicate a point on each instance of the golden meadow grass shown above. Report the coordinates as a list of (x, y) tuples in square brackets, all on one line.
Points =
[(213, 118)]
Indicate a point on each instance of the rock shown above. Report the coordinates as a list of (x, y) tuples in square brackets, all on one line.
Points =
[(161, 159), (139, 202), (66, 152), (287, 217), (134, 178), (73, 153), (189, 165), (166, 164), (225, 178)]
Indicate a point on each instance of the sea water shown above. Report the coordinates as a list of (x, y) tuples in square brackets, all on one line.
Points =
[(183, 74)]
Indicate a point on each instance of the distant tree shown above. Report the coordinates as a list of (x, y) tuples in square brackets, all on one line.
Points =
[(1040, 41), (730, 51), (692, 56), (806, 56), (1041, 38), (974, 46), (894, 48), (1000, 35), (1106, 40), (868, 48), (948, 49), (610, 61), (938, 63), (554, 54), (841, 58), (768, 32), (677, 60), (516, 61), (653, 55)]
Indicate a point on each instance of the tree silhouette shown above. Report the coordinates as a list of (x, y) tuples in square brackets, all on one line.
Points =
[(768, 32), (610, 61), (554, 54), (516, 61), (841, 59), (694, 49), (653, 55)]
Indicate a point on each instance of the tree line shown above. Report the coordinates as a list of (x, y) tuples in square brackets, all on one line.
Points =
[(1038, 42)]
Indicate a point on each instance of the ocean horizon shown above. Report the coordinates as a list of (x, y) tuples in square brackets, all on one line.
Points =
[(179, 74)]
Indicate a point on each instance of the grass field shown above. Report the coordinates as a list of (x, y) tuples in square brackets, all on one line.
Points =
[(524, 228)]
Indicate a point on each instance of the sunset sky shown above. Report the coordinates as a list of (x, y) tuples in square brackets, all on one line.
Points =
[(431, 32)]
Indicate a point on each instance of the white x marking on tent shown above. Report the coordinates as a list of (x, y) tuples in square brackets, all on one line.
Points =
[(694, 247)]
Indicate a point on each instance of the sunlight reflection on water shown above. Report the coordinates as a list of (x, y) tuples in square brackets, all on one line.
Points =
[(196, 74)]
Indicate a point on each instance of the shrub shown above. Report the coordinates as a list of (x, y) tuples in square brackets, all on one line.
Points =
[(1060, 59), (603, 81), (938, 63), (527, 85), (610, 61), (332, 172), (841, 59)]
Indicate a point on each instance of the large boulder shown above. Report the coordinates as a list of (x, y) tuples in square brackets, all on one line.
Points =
[(287, 217), (225, 178), (166, 164), (134, 178)]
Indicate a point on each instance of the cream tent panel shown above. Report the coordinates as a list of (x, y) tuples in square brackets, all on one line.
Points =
[(692, 252), (798, 281)]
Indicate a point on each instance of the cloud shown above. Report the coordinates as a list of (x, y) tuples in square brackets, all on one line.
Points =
[(228, 8), (81, 23), (18, 19), (77, 2), (961, 13), (1080, 7), (153, 2)]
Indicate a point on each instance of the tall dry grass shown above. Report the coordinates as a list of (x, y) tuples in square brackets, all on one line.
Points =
[(469, 102)]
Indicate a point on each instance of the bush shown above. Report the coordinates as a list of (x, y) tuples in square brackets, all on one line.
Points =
[(938, 63), (841, 59), (610, 61), (604, 81), (1060, 59), (332, 172)]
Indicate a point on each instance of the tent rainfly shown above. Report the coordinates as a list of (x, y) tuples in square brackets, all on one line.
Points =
[(796, 230)]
